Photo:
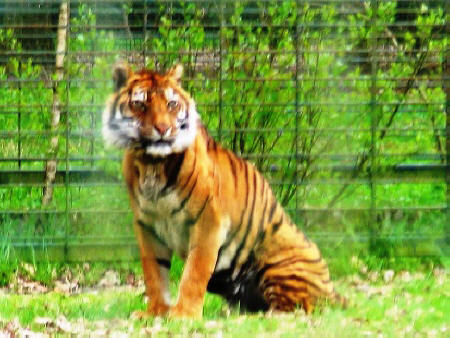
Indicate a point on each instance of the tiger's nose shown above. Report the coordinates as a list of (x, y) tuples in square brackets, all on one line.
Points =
[(161, 128)]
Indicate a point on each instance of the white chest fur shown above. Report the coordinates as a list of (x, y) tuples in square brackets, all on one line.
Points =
[(163, 212)]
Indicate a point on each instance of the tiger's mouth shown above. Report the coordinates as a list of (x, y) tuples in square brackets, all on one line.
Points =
[(158, 143)]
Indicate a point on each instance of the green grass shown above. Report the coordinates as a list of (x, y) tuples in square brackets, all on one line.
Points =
[(415, 302)]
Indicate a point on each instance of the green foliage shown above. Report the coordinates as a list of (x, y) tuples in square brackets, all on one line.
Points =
[(288, 88)]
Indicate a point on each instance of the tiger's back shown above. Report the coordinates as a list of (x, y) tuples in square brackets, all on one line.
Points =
[(212, 208), (265, 262)]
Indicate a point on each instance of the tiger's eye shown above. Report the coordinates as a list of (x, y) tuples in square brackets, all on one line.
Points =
[(172, 104), (138, 106)]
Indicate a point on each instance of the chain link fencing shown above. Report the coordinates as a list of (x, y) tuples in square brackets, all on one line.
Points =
[(343, 105)]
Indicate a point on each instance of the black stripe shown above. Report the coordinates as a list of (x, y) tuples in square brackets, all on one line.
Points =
[(281, 299), (114, 108), (140, 190), (113, 126), (131, 191), (147, 212), (273, 207), (287, 261), (152, 231), (121, 108), (285, 286), (303, 260), (164, 262), (263, 185), (294, 260), (278, 280), (241, 219), (211, 144), (277, 225), (266, 201), (196, 218), (192, 221), (248, 227), (261, 237), (233, 169), (172, 169), (261, 230), (234, 234), (142, 224), (241, 162), (246, 182), (184, 123), (190, 175), (244, 208), (187, 198)]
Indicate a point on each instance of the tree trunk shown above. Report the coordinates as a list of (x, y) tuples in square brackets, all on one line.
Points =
[(61, 48)]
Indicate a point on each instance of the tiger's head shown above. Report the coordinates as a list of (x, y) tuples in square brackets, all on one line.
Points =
[(150, 111)]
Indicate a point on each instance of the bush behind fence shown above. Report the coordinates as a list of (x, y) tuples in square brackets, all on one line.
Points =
[(343, 105)]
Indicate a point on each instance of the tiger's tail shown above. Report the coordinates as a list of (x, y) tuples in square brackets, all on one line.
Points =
[(296, 277)]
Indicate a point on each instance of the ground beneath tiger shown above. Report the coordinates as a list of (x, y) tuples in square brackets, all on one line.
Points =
[(381, 303)]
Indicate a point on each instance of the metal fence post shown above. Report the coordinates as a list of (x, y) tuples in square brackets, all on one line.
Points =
[(373, 114), (67, 132), (297, 105), (446, 86), (221, 26), (144, 32)]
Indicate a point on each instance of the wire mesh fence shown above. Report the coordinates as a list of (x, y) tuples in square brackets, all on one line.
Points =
[(343, 105)]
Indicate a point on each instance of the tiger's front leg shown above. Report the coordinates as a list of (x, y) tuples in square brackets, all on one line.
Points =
[(155, 258), (204, 244)]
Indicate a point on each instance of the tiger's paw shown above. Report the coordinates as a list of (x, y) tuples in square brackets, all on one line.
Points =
[(183, 312), (140, 315), (153, 311)]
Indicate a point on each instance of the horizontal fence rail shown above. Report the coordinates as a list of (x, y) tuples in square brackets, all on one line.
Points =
[(342, 105)]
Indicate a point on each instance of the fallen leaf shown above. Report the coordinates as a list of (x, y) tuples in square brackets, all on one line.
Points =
[(66, 287), (28, 268), (13, 326), (111, 278), (373, 276), (28, 333), (131, 279), (44, 321), (24, 286), (86, 267), (63, 324), (100, 332), (212, 324), (405, 276), (388, 276)]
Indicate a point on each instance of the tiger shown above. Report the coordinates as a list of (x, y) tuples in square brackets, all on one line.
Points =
[(192, 197)]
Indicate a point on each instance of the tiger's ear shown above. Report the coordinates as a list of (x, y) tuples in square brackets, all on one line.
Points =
[(121, 74), (176, 72)]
